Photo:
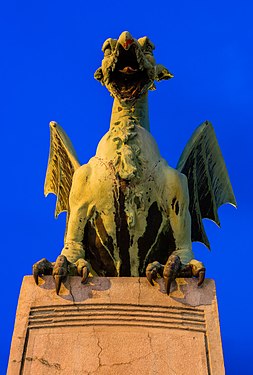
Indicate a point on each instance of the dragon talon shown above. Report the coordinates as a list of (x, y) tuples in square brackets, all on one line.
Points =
[(201, 277), (85, 273), (152, 270), (167, 285), (171, 270), (83, 269), (150, 278), (36, 275), (197, 270), (60, 271), (58, 281), (42, 267)]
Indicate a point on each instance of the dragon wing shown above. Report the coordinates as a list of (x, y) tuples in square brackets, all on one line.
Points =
[(62, 163), (208, 180)]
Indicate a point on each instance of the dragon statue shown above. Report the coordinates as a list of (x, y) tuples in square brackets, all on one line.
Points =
[(128, 212)]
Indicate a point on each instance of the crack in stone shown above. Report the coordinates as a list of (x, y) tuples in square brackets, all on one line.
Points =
[(161, 359), (101, 349), (150, 342), (57, 366), (114, 364), (99, 354), (139, 291), (129, 362), (153, 351)]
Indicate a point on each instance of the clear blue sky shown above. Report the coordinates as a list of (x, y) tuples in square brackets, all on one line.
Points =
[(49, 52)]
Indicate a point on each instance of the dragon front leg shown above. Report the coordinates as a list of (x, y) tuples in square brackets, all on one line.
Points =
[(175, 269), (72, 261), (180, 263)]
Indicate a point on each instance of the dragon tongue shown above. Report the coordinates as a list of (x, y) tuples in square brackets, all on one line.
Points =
[(128, 70)]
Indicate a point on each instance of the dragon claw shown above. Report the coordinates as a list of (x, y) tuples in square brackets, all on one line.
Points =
[(197, 270), (171, 270), (60, 270), (84, 275), (83, 269), (201, 277), (153, 270), (42, 267), (58, 281), (36, 276), (174, 269)]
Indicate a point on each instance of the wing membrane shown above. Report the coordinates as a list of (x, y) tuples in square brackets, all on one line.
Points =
[(208, 180), (62, 163)]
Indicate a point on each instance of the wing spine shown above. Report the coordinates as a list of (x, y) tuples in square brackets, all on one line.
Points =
[(208, 181), (62, 163)]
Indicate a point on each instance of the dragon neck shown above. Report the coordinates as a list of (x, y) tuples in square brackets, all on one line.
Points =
[(137, 111)]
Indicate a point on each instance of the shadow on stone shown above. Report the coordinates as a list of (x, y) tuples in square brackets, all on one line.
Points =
[(73, 290), (197, 296)]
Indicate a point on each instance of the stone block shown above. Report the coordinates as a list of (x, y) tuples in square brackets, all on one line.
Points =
[(113, 326)]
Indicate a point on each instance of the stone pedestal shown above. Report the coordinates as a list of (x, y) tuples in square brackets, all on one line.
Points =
[(116, 326)]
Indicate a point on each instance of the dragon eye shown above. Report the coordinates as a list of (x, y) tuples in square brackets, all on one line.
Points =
[(149, 49)]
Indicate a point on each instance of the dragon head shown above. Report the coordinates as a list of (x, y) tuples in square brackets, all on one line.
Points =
[(128, 68)]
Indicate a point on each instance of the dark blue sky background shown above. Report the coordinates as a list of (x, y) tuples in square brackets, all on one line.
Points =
[(49, 52)]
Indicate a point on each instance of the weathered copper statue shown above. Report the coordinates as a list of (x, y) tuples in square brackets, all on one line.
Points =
[(128, 212)]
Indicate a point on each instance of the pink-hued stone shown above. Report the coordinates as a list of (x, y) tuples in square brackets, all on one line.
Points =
[(114, 326)]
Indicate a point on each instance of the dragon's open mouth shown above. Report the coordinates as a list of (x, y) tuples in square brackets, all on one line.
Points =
[(128, 77)]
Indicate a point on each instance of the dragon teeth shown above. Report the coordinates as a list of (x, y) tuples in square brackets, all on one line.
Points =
[(140, 61), (115, 60)]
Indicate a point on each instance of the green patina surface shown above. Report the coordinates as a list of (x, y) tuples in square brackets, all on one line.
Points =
[(127, 208)]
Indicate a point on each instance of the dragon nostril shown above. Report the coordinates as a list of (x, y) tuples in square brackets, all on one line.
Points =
[(126, 40)]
